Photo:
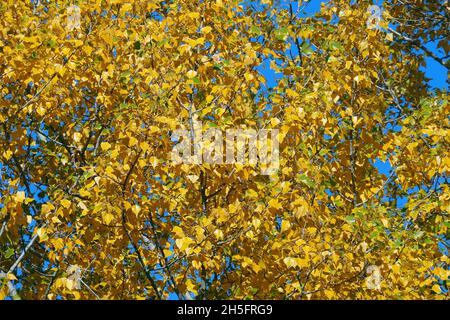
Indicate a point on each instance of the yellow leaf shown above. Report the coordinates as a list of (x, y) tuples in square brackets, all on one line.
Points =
[(178, 231), (385, 222), (11, 277), (196, 264), (78, 43), (105, 146), (232, 208), (301, 262), (97, 208), (133, 141), (60, 282), (436, 288), (144, 146), (88, 50), (19, 197), (209, 99), (107, 217), (66, 203), (77, 137), (193, 178), (191, 74), (285, 225), (218, 234), (329, 293), (70, 284), (58, 243), (290, 262), (183, 243), (252, 193), (206, 30), (273, 203), (136, 209), (126, 7), (274, 122), (248, 76), (42, 234), (291, 93), (47, 207), (348, 64)]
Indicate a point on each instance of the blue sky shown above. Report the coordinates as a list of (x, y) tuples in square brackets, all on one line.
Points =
[(436, 73)]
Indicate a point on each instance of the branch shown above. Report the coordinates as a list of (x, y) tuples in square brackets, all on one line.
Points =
[(425, 49)]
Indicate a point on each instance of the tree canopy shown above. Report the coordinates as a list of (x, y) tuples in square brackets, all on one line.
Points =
[(92, 207)]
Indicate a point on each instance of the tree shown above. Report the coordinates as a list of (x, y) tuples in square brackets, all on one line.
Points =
[(93, 207)]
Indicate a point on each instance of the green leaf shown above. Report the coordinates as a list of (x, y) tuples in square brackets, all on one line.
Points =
[(255, 30), (9, 253), (418, 234), (398, 243), (51, 43), (282, 33), (335, 45), (305, 180), (163, 42), (307, 49), (350, 219)]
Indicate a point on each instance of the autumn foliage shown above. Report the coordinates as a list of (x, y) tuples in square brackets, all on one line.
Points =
[(92, 207)]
